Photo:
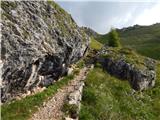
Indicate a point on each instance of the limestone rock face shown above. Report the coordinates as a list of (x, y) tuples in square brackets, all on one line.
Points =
[(39, 41), (138, 70)]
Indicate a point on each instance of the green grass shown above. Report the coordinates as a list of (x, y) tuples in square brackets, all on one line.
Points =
[(103, 38), (70, 110), (144, 39), (128, 55), (151, 50), (95, 44), (22, 109), (80, 64), (108, 98)]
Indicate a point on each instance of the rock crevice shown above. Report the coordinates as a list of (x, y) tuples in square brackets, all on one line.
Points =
[(127, 65), (39, 41)]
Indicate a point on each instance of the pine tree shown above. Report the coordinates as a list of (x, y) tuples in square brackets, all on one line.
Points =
[(114, 39)]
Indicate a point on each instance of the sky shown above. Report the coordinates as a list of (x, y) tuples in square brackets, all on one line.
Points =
[(101, 15)]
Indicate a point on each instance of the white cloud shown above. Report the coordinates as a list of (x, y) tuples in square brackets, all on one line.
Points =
[(101, 16), (108, 0), (122, 20), (149, 16)]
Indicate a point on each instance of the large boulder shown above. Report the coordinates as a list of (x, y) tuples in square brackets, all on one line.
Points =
[(127, 65), (39, 41)]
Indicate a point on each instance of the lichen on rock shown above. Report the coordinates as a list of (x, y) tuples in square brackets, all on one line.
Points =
[(39, 41), (128, 65)]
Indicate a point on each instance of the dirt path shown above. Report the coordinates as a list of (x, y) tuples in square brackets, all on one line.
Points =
[(51, 110)]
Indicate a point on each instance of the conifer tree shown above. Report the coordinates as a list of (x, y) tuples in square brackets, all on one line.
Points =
[(114, 39)]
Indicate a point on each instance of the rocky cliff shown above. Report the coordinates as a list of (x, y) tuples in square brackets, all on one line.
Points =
[(90, 32), (39, 41), (128, 65)]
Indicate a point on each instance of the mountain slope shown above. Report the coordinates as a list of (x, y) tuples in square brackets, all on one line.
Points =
[(39, 42), (89, 31), (106, 97), (144, 39)]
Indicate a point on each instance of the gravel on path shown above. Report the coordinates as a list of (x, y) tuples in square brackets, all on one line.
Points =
[(51, 110)]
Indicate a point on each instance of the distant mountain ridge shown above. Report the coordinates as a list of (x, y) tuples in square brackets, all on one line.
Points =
[(144, 39)]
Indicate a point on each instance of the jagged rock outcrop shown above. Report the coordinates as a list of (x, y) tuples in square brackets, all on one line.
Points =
[(126, 64), (39, 41), (90, 32)]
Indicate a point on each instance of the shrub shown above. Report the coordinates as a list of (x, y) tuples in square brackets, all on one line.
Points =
[(98, 65), (80, 64), (71, 110)]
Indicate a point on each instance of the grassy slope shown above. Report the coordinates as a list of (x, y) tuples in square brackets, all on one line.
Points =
[(144, 39), (94, 44), (106, 97)]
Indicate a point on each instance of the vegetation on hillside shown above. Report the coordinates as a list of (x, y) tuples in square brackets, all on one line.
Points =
[(106, 97), (114, 40), (94, 44), (144, 39), (128, 55)]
